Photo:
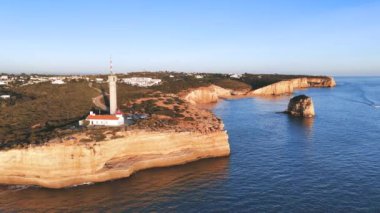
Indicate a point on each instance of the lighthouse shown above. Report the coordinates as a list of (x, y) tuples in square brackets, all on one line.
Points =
[(112, 79), (116, 117)]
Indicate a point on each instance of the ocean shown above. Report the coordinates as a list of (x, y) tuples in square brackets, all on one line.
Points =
[(329, 163)]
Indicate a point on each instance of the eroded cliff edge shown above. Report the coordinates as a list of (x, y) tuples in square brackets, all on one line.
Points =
[(71, 162), (212, 93), (288, 86)]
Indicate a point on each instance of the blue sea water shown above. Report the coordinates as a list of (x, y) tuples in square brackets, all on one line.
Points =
[(278, 163)]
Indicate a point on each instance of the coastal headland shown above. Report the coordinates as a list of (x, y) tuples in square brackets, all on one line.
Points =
[(69, 163), (177, 131)]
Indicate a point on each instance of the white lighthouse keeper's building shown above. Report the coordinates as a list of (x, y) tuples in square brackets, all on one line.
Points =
[(106, 120)]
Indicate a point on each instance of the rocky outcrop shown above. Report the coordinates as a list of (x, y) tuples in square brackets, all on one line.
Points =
[(58, 165), (288, 86), (206, 95), (301, 106)]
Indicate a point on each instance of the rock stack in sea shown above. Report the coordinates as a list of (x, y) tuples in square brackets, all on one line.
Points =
[(301, 106)]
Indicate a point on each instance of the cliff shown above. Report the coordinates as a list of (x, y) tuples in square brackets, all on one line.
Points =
[(206, 95), (57, 165), (282, 87), (212, 93), (288, 86), (321, 82)]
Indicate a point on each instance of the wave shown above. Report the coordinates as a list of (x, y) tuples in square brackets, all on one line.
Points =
[(18, 187), (368, 103), (7, 188), (365, 97), (359, 95)]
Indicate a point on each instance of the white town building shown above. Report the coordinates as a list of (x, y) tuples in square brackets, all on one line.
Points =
[(58, 82), (2, 83), (99, 80), (235, 75), (5, 96), (4, 77), (141, 81)]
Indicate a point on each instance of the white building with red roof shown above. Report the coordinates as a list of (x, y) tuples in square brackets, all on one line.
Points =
[(106, 120)]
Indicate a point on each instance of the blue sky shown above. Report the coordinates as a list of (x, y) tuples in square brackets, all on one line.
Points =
[(335, 37)]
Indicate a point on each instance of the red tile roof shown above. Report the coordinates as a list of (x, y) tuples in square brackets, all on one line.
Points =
[(102, 117)]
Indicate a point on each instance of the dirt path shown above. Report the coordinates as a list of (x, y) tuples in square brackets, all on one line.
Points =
[(98, 99)]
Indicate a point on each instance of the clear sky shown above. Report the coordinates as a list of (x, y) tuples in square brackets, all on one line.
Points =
[(335, 37)]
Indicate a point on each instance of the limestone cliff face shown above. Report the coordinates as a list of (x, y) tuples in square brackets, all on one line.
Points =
[(288, 86), (212, 93), (282, 87), (206, 95), (321, 82), (300, 83), (58, 165)]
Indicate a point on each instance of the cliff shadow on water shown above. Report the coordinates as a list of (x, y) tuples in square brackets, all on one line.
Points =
[(148, 188)]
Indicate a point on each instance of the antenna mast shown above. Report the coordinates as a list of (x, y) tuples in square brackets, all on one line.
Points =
[(111, 65)]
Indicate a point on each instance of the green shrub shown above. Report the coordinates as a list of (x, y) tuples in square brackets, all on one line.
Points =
[(188, 119), (98, 137), (85, 140)]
